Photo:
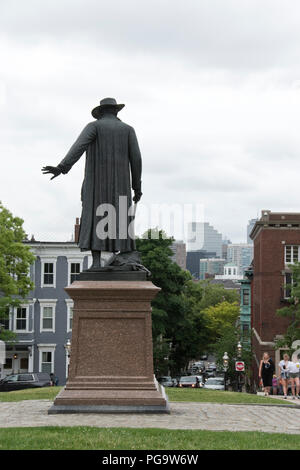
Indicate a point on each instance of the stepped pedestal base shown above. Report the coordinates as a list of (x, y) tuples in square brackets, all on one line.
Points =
[(111, 363)]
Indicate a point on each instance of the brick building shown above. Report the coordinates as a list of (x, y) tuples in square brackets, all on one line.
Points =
[(276, 238)]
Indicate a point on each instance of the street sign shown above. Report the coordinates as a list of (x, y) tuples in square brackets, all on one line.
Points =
[(239, 366)]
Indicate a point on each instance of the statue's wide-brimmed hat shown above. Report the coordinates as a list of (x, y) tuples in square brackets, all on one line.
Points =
[(103, 104)]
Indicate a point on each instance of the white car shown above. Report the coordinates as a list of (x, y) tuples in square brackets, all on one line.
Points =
[(215, 383)]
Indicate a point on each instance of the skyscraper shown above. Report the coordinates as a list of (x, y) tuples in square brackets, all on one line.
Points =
[(241, 254), (250, 226), (203, 236)]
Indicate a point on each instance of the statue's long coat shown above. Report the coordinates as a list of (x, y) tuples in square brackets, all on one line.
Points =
[(113, 167)]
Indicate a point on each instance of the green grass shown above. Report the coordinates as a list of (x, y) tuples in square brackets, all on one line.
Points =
[(174, 394), (45, 393), (91, 438), (219, 396)]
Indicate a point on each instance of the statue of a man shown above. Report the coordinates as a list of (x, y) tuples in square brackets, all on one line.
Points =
[(113, 168)]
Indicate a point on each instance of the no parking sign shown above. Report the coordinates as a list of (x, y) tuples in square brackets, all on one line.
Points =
[(239, 366)]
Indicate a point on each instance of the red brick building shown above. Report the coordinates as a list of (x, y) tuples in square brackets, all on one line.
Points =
[(276, 238)]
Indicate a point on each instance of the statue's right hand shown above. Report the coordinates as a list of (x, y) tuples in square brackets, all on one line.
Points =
[(53, 170)]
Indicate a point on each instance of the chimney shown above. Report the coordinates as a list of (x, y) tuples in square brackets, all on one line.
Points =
[(76, 230)]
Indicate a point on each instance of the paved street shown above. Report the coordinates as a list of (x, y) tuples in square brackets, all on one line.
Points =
[(183, 416)]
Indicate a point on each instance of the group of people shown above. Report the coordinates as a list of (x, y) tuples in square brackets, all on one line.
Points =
[(289, 374)]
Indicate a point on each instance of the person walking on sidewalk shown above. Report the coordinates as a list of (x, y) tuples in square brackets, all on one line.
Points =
[(294, 378), (285, 373), (266, 371)]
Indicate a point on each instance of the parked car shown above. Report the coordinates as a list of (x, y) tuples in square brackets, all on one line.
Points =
[(212, 365), (215, 383), (191, 381), (22, 381), (210, 372), (166, 381)]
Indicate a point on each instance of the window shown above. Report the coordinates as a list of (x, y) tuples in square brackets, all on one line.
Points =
[(4, 322), (8, 363), (291, 254), (70, 305), (25, 377), (288, 281), (48, 274), (21, 319), (246, 296), (75, 271), (70, 319), (47, 318), (47, 362), (245, 328)]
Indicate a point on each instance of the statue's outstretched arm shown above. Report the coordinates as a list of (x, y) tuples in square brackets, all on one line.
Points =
[(78, 148)]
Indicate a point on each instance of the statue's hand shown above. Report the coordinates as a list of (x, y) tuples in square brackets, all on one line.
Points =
[(53, 170), (137, 196)]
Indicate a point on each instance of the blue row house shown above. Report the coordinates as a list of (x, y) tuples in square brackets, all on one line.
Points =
[(43, 324)]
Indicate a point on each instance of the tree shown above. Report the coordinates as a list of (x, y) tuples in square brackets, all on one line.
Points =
[(15, 261), (180, 325), (203, 299), (291, 311), (221, 316), (169, 321)]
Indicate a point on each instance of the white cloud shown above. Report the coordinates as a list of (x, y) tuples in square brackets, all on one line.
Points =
[(211, 87)]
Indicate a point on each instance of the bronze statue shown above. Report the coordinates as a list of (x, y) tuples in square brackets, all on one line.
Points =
[(112, 170)]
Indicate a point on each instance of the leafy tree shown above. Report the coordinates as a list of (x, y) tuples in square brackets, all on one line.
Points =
[(203, 297), (15, 261), (169, 307), (291, 311), (222, 315), (180, 322)]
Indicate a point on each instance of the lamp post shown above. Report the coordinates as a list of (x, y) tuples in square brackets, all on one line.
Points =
[(225, 367), (239, 354)]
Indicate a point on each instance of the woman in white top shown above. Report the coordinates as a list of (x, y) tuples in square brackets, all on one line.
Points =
[(285, 373), (294, 378)]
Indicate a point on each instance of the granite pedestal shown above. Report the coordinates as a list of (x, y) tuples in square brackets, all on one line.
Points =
[(111, 363)]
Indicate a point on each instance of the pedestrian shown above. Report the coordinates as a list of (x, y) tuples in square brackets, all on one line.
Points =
[(294, 378), (285, 373), (54, 380), (197, 382), (266, 371), (274, 385)]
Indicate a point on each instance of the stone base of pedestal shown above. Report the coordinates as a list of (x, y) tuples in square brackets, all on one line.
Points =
[(111, 363), (111, 401)]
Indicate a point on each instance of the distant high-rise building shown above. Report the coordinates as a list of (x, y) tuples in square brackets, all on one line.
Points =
[(202, 236), (225, 243), (210, 267), (179, 253), (193, 261), (241, 254), (250, 226)]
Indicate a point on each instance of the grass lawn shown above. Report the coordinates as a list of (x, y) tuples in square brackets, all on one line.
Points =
[(44, 393), (174, 394), (219, 396), (91, 438)]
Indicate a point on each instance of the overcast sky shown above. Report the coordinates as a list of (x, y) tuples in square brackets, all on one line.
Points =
[(212, 88)]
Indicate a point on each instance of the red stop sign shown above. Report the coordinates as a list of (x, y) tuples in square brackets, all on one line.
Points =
[(239, 366)]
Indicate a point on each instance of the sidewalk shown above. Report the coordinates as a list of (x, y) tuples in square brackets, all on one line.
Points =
[(206, 416)]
